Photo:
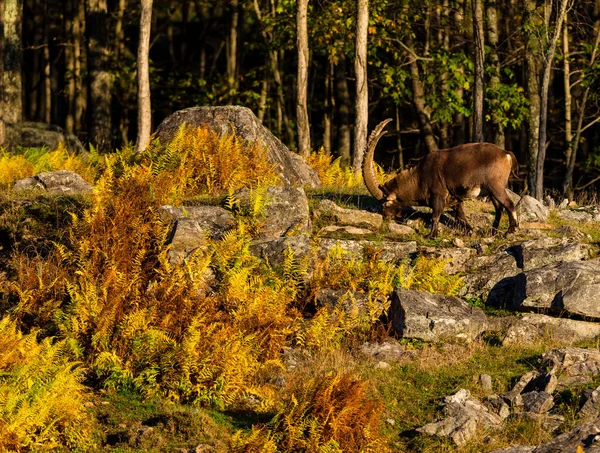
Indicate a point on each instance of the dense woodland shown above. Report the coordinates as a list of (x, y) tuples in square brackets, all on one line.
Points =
[(523, 74)]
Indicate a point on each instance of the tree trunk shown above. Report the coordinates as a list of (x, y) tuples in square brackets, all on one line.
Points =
[(232, 49), (143, 75), (548, 60), (70, 66), (399, 140), (47, 68), (171, 31), (419, 102), (568, 182), (362, 89), (478, 38), (101, 78), (567, 85), (492, 22), (302, 98), (343, 103), (532, 55), (80, 60), (329, 105), (460, 133), (262, 102), (120, 53), (11, 111)]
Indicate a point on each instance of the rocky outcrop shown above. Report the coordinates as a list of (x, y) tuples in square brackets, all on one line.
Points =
[(385, 250), (40, 135), (573, 366), (192, 226), (458, 258), (233, 119), (286, 211), (491, 276), (60, 182), (351, 217), (432, 317), (534, 327), (274, 250), (567, 287), (463, 415), (214, 220), (583, 214)]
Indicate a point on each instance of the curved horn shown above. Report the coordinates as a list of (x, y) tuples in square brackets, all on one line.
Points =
[(368, 170)]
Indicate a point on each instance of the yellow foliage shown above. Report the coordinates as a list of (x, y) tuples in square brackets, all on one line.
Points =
[(41, 394), (331, 172), (321, 411), (199, 161)]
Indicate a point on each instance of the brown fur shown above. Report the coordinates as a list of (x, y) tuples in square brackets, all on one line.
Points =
[(446, 178)]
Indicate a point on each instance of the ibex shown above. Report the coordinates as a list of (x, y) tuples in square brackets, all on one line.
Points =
[(446, 178)]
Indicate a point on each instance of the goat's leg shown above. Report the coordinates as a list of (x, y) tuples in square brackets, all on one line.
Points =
[(506, 202), (498, 216), (459, 211), (437, 205)]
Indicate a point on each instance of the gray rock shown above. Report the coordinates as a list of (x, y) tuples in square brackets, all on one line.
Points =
[(513, 397), (286, 211), (385, 250), (568, 287), (60, 182), (274, 250), (389, 351), (540, 252), (497, 405), (485, 380), (432, 317), (537, 402), (513, 196), (586, 436), (590, 409), (348, 230), (534, 327), (548, 421), (579, 215), (351, 217), (531, 210), (485, 278), (350, 301), (215, 220), (187, 235), (458, 258), (39, 135), (463, 414), (573, 366), (292, 169), (400, 230)]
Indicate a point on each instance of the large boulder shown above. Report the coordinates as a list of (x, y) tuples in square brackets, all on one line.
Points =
[(583, 214), (234, 119), (274, 251), (489, 276), (433, 317), (214, 220), (60, 182), (39, 135), (351, 302), (385, 250), (286, 211), (531, 210), (571, 287), (187, 235)]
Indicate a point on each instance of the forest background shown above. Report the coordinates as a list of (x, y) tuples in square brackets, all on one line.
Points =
[(523, 74)]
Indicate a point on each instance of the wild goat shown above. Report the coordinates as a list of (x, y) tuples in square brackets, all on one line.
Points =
[(446, 178)]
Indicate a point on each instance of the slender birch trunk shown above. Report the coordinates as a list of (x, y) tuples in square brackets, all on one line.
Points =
[(143, 75), (302, 120), (492, 33), (362, 89)]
